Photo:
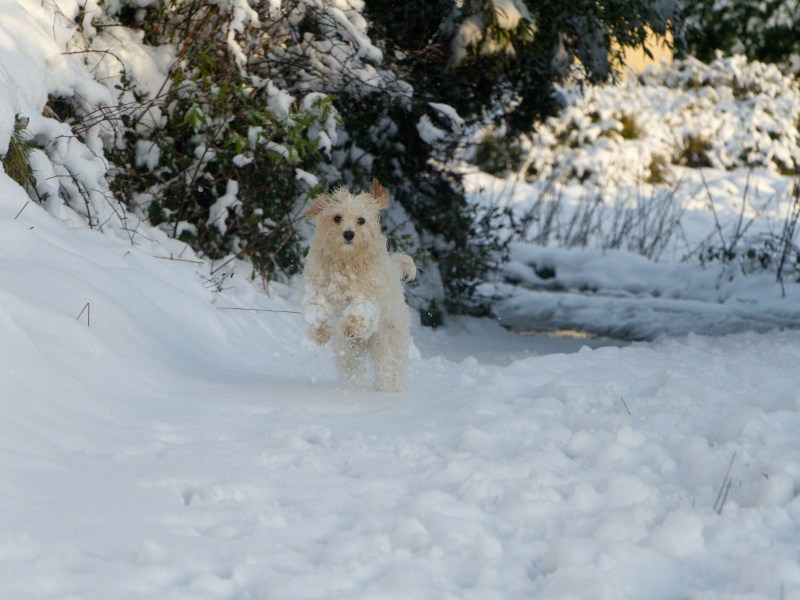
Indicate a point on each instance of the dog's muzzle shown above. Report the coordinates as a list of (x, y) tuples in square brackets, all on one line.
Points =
[(348, 235)]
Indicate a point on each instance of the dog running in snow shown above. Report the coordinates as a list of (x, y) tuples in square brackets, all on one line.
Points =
[(354, 287)]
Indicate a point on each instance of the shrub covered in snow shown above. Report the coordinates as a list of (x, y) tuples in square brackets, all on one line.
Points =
[(218, 128), (727, 114)]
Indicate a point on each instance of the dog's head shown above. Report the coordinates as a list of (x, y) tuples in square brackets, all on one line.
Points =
[(349, 224)]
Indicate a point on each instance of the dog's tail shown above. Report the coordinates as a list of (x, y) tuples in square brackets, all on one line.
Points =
[(406, 264)]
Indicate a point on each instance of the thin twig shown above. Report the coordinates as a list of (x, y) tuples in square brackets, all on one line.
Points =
[(230, 260), (88, 310), (722, 495), (186, 260), (293, 312), (625, 405), (24, 206), (788, 234)]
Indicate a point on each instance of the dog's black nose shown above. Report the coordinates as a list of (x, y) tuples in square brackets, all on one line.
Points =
[(349, 234)]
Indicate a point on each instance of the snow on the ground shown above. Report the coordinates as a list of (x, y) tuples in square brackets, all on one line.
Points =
[(168, 449)]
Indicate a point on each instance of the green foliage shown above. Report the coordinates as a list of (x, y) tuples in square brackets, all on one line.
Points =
[(217, 139), (764, 30), (432, 315), (513, 64), (16, 161), (484, 250), (497, 155), (630, 128), (694, 152), (658, 170)]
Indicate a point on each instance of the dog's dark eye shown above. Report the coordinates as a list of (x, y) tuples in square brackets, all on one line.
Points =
[(337, 219), (361, 220)]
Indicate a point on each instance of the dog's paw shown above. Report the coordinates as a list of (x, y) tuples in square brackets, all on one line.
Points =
[(320, 335), (360, 319), (355, 326)]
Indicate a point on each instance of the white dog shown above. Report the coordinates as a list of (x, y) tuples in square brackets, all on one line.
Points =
[(353, 287)]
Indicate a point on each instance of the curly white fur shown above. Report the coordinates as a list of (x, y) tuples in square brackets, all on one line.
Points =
[(353, 287)]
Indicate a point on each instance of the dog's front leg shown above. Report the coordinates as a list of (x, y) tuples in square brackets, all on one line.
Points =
[(317, 313), (360, 319)]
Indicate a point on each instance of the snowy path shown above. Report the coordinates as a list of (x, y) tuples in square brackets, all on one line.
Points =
[(479, 482)]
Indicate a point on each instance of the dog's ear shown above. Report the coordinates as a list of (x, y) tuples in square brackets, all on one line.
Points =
[(320, 203), (381, 194)]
